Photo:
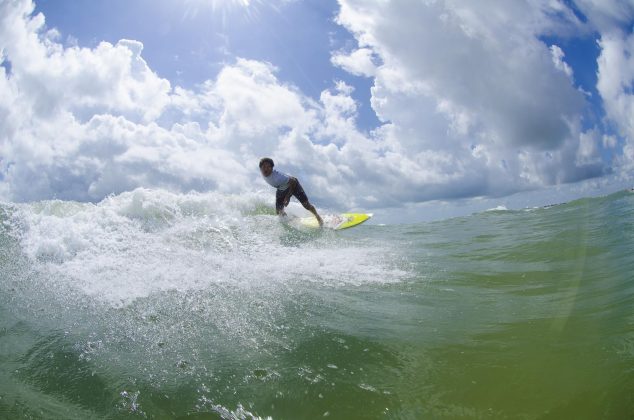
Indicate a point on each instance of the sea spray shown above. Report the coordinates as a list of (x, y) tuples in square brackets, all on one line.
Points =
[(138, 243)]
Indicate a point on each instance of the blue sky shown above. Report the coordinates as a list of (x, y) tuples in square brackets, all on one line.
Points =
[(382, 106)]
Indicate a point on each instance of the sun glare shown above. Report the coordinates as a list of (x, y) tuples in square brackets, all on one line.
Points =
[(216, 4), (223, 8)]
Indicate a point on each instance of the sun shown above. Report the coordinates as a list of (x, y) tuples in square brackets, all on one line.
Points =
[(222, 8), (224, 4)]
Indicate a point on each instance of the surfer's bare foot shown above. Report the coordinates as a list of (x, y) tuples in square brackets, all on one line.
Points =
[(321, 222)]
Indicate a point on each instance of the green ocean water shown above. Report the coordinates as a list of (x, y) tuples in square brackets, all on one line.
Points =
[(157, 305)]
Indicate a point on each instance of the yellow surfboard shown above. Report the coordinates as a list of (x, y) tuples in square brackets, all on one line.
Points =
[(336, 221)]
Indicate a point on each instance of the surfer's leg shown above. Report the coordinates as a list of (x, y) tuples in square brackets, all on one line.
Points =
[(312, 209), (302, 198), (279, 203)]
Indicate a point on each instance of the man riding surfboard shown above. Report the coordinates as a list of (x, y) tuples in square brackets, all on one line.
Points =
[(287, 186)]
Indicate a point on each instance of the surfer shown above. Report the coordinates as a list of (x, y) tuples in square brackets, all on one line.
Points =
[(287, 186)]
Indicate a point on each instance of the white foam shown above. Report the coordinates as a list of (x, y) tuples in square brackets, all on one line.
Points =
[(498, 208), (143, 242)]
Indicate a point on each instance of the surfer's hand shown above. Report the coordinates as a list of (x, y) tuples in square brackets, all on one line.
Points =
[(286, 201)]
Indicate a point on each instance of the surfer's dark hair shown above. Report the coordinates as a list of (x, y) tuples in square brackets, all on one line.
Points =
[(266, 160)]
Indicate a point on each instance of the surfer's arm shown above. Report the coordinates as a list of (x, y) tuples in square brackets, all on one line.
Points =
[(292, 183)]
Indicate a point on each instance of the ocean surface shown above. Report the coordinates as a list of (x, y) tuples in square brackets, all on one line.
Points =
[(151, 304)]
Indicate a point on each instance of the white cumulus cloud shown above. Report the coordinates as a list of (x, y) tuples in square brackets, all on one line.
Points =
[(476, 96), (359, 62)]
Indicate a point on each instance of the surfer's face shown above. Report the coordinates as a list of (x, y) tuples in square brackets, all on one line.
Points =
[(266, 169)]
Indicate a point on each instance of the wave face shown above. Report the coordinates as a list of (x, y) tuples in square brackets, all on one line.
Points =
[(154, 304)]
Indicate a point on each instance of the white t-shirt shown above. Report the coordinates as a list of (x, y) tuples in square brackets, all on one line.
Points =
[(278, 180)]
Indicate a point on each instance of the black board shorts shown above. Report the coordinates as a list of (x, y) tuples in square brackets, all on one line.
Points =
[(299, 194)]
